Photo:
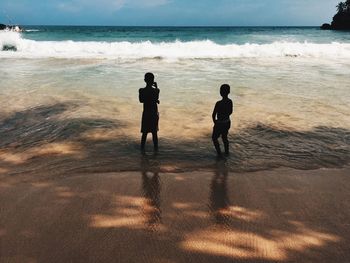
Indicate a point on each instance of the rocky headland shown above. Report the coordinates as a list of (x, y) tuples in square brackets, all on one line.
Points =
[(341, 20)]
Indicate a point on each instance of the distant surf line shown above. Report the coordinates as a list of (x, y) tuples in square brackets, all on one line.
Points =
[(203, 49)]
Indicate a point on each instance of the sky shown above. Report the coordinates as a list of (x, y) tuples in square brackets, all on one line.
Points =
[(169, 12)]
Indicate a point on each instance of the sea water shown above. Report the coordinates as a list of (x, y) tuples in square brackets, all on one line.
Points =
[(71, 93)]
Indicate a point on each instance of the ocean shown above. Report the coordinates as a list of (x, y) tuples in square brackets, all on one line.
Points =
[(69, 96)]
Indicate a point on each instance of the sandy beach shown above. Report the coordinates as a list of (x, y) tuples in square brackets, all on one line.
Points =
[(284, 215)]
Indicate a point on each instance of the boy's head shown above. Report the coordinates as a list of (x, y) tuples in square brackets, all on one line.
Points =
[(225, 90), (149, 78)]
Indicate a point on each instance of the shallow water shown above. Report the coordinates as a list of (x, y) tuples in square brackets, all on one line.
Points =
[(291, 106)]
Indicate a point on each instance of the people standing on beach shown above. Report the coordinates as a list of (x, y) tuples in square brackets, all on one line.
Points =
[(221, 118), (149, 96)]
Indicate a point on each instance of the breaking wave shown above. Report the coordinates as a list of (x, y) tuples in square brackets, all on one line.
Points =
[(14, 45), (32, 30)]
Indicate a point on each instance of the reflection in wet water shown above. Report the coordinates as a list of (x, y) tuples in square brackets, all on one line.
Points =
[(151, 190), (219, 200)]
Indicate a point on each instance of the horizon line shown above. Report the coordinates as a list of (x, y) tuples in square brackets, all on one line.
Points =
[(87, 25)]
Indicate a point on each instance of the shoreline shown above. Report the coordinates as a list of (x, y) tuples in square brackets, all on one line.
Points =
[(51, 139)]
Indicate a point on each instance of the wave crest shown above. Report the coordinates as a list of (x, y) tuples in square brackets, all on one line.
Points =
[(32, 30), (168, 50)]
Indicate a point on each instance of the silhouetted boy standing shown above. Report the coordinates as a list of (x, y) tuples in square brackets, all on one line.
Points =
[(221, 118), (149, 96)]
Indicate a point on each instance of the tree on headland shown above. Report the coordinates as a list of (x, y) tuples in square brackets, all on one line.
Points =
[(341, 20), (341, 7)]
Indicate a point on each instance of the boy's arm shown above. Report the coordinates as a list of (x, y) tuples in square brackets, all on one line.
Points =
[(157, 97), (215, 111), (231, 107), (141, 99)]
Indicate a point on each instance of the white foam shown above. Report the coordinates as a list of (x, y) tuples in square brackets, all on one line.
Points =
[(168, 50), (32, 30)]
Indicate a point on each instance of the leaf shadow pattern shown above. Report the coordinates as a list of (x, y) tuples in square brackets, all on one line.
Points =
[(261, 147), (43, 137), (204, 216)]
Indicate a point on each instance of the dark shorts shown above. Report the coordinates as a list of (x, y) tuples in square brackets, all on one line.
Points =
[(149, 122), (221, 129)]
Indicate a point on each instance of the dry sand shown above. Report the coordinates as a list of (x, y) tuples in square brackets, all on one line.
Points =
[(283, 215)]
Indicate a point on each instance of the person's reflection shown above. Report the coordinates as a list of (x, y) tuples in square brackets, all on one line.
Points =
[(219, 201), (151, 191)]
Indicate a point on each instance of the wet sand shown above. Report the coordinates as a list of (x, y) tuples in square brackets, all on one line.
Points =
[(214, 215)]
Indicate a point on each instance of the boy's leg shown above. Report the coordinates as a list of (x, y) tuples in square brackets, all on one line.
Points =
[(226, 143), (215, 138), (143, 141), (155, 140)]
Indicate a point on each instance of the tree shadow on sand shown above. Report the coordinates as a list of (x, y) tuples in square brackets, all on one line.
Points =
[(212, 216), (44, 137), (261, 147)]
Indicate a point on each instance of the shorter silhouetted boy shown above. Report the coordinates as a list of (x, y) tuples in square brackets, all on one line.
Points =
[(221, 118)]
